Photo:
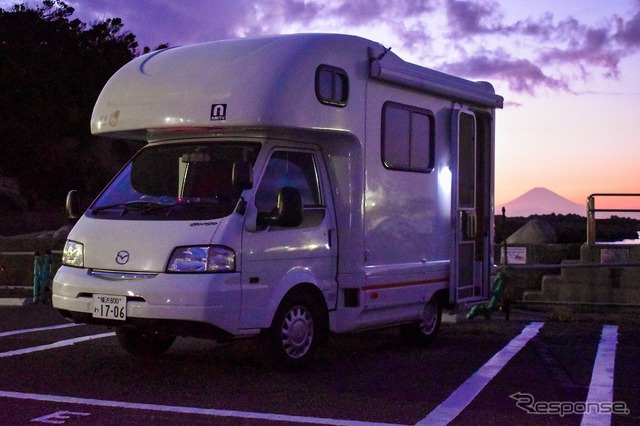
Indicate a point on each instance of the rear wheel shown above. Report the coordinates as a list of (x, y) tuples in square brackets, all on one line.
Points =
[(426, 329), (143, 344), (296, 331)]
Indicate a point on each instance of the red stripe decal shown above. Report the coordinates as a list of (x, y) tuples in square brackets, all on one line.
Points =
[(405, 284)]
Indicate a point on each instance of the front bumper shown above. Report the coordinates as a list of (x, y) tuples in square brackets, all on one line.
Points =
[(186, 304)]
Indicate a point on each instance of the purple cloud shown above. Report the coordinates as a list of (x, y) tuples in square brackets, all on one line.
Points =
[(551, 54), (569, 48), (594, 49), (521, 75), (628, 33), (168, 21), (469, 18), (361, 12)]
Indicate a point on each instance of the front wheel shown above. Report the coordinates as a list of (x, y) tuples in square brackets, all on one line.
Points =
[(425, 330), (143, 344), (295, 332)]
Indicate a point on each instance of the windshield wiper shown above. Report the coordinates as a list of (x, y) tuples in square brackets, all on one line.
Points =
[(147, 207), (144, 206)]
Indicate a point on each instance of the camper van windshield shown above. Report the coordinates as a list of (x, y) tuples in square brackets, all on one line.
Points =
[(176, 182)]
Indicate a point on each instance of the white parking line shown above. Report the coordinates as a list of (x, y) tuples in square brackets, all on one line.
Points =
[(55, 345), (190, 410), (444, 413), (601, 387), (31, 330)]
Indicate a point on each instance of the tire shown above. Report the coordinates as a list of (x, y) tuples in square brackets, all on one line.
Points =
[(143, 344), (425, 330), (296, 331)]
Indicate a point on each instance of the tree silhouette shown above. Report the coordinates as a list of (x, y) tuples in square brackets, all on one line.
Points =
[(52, 70)]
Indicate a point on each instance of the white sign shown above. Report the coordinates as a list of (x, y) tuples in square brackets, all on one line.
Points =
[(608, 256), (515, 255)]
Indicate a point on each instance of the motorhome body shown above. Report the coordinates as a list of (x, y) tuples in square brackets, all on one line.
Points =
[(291, 185)]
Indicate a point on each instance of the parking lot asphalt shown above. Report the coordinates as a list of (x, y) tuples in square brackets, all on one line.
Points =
[(485, 371)]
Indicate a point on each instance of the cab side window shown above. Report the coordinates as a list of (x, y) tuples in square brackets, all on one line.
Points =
[(289, 168)]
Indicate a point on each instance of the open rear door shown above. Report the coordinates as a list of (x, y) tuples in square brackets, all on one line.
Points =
[(471, 200)]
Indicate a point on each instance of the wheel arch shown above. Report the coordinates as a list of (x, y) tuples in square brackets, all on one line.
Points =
[(313, 291), (296, 279), (442, 296)]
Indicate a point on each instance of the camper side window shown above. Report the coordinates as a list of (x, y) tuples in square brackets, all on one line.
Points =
[(332, 85), (407, 138)]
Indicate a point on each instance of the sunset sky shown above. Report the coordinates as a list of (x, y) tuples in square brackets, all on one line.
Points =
[(569, 70)]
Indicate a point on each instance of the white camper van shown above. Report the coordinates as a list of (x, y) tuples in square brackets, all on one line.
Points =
[(291, 186)]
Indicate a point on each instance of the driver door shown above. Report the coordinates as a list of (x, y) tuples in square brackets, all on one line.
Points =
[(275, 258)]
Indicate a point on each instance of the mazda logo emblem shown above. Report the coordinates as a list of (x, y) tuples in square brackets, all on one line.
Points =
[(122, 257)]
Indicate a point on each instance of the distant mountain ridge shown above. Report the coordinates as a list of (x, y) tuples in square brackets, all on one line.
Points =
[(541, 201)]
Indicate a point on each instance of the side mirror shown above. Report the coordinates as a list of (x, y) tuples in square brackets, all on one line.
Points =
[(288, 211), (242, 175), (289, 207), (72, 206)]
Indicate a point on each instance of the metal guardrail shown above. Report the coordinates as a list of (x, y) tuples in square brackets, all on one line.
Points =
[(613, 264), (27, 253), (571, 265), (591, 229), (8, 271), (592, 210)]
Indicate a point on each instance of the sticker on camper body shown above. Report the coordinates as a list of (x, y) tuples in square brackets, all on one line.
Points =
[(203, 224), (110, 119), (218, 112)]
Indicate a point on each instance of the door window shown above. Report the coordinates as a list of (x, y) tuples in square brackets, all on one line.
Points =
[(289, 168), (467, 161)]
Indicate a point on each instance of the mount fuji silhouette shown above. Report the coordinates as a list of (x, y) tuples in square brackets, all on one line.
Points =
[(541, 201)]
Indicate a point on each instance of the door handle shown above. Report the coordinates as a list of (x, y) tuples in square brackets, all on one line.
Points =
[(473, 222), (330, 234), (468, 224)]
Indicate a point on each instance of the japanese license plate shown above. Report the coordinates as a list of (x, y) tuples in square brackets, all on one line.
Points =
[(110, 307)]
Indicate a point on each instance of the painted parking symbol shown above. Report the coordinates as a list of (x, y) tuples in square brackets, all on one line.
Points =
[(59, 417)]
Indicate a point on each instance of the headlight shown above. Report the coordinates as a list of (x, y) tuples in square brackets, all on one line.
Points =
[(73, 254), (202, 259)]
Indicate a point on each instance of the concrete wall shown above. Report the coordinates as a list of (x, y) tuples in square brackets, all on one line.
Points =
[(17, 256), (522, 280), (602, 278)]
